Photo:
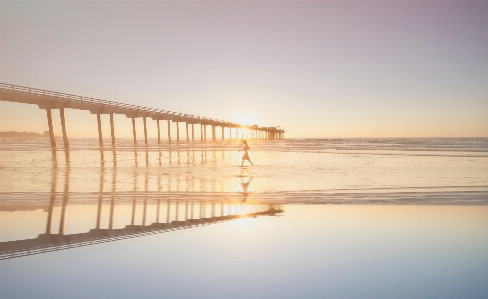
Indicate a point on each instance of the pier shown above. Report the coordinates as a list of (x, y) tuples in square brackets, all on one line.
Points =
[(51, 100)]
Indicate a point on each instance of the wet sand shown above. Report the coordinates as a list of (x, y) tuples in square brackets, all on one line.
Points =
[(181, 222), (312, 251)]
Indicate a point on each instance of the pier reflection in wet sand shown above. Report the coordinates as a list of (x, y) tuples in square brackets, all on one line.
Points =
[(52, 241), (135, 214)]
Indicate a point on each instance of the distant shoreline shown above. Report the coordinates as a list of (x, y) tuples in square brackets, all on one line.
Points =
[(13, 134)]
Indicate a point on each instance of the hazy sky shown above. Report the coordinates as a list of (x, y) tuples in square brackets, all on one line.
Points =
[(316, 68)]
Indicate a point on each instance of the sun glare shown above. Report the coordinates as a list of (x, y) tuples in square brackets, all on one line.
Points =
[(245, 120)]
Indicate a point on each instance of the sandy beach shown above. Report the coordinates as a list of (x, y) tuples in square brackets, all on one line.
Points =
[(353, 220)]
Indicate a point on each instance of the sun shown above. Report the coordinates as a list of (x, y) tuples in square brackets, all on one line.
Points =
[(247, 120)]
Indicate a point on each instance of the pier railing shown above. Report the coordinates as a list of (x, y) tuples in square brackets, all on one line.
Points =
[(66, 97)]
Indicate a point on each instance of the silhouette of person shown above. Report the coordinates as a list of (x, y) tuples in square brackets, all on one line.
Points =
[(244, 192), (245, 148)]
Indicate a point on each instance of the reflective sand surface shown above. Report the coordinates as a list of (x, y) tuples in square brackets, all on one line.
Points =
[(284, 171), (313, 251), (307, 221)]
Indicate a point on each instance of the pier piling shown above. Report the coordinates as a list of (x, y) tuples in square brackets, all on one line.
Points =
[(50, 125), (112, 128), (99, 121), (169, 131), (159, 132), (134, 130), (177, 132), (145, 130), (187, 136), (63, 127)]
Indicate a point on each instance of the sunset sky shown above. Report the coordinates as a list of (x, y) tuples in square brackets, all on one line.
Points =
[(315, 68)]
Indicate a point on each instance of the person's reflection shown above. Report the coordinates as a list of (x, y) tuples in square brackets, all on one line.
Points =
[(245, 186)]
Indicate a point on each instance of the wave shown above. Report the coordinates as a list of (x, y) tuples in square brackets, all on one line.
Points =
[(477, 145), (468, 196)]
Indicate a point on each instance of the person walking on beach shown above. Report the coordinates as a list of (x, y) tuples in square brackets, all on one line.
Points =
[(245, 148)]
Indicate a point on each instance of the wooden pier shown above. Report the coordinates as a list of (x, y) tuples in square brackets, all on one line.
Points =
[(49, 100)]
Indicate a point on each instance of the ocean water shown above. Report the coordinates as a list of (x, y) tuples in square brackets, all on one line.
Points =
[(313, 218)]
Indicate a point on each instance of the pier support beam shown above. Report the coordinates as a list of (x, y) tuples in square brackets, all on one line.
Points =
[(177, 132), (50, 125), (134, 130), (159, 132), (112, 128), (100, 139), (169, 131), (192, 133), (201, 133), (63, 127), (187, 136), (145, 130), (204, 133), (213, 133), (222, 133)]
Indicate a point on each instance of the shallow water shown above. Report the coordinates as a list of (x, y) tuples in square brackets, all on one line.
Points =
[(339, 218)]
